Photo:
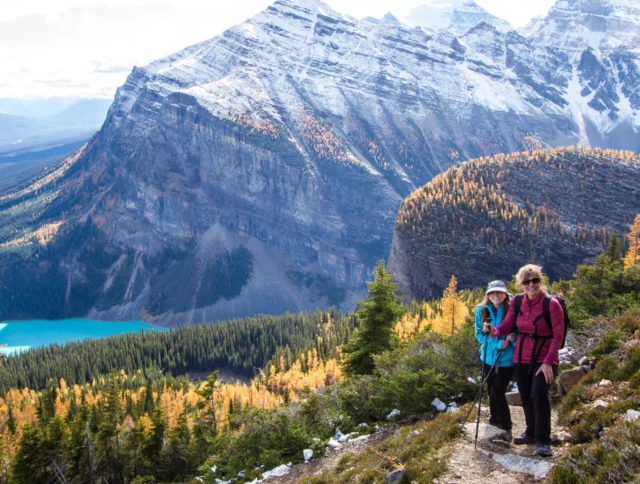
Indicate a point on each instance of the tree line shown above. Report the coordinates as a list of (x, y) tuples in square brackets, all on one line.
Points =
[(241, 346)]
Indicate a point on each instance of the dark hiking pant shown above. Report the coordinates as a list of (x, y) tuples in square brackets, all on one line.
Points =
[(534, 392), (496, 388)]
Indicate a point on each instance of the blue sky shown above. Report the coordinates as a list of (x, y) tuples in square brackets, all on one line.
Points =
[(86, 48)]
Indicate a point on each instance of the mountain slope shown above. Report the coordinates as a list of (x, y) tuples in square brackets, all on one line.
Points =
[(484, 219), (261, 170)]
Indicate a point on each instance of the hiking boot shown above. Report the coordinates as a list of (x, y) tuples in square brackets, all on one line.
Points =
[(524, 439), (543, 450)]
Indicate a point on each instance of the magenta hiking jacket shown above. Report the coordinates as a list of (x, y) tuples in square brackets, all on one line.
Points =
[(548, 342)]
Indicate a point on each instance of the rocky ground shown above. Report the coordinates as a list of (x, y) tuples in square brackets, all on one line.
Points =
[(329, 459), (493, 461)]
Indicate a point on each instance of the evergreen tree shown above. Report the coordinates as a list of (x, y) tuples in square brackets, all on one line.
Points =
[(178, 448), (378, 316), (28, 465)]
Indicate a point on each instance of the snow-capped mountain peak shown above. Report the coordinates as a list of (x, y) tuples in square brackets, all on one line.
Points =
[(574, 25), (457, 16), (387, 19)]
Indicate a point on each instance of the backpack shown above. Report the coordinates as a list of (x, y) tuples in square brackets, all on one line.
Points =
[(546, 312)]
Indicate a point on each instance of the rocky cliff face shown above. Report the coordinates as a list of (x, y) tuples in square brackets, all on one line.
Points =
[(484, 219), (261, 171)]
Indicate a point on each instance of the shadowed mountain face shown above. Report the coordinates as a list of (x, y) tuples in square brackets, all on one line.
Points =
[(486, 218), (261, 171)]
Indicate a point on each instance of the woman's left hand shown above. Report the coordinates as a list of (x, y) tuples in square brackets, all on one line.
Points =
[(547, 371)]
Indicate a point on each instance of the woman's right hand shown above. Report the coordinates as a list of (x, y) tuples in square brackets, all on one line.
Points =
[(487, 328)]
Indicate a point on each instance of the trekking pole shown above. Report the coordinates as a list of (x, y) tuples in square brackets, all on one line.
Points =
[(473, 405), (486, 340)]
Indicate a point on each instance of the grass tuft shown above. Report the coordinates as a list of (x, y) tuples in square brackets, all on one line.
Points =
[(422, 449)]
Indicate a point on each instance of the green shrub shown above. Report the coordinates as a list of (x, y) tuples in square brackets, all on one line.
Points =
[(572, 400), (629, 322), (592, 422), (634, 381), (615, 458), (410, 377), (606, 369), (631, 364), (611, 341), (361, 399)]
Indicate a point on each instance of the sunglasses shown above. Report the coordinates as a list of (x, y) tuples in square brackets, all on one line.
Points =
[(533, 280)]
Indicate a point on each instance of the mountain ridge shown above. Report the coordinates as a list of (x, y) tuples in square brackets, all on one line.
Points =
[(295, 136), (483, 219)]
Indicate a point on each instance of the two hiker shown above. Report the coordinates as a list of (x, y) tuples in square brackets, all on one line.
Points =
[(533, 358)]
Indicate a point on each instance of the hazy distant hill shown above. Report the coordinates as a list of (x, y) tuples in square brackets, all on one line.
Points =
[(78, 121)]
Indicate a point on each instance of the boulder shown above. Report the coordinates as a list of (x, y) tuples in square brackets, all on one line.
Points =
[(539, 469), (439, 404), (394, 477), (307, 454), (599, 405), (569, 378), (334, 444), (279, 471), (485, 431), (359, 439), (513, 398), (604, 383), (632, 416), (584, 361), (394, 413)]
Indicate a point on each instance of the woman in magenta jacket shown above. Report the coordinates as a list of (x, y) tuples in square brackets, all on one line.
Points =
[(536, 355)]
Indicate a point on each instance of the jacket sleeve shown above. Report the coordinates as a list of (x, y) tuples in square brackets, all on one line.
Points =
[(557, 326), (479, 335), (508, 324)]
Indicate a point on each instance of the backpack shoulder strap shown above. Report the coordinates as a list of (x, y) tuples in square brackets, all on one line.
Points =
[(517, 303), (546, 311)]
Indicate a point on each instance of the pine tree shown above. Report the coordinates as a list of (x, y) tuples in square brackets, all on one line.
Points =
[(453, 311), (632, 257), (378, 316)]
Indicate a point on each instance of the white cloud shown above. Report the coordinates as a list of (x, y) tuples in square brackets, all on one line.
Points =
[(94, 43)]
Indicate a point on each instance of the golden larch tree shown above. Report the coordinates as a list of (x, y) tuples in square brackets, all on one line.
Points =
[(633, 254), (453, 311)]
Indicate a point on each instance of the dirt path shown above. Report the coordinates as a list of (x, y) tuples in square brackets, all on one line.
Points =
[(466, 466), (470, 466)]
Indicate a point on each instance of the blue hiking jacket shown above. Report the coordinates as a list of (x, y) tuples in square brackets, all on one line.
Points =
[(493, 344)]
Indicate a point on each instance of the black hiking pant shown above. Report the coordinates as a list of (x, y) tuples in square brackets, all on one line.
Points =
[(534, 392), (497, 384)]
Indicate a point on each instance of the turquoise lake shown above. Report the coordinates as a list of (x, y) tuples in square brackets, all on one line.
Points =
[(22, 335)]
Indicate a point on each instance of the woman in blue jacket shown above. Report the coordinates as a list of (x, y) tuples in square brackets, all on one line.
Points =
[(493, 308)]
